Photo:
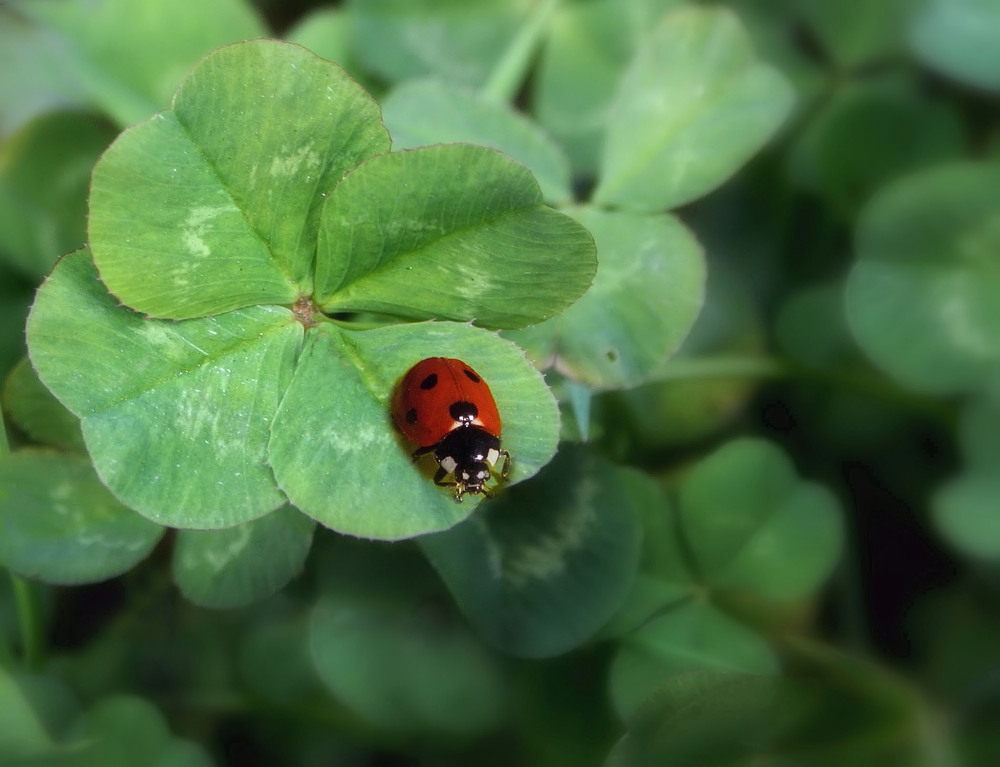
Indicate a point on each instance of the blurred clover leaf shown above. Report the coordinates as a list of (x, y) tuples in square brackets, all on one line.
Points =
[(193, 338), (958, 38), (545, 565), (387, 645), (965, 507), (244, 563), (854, 33), (745, 525), (32, 408), (852, 147), (114, 55), (44, 172), (587, 48), (454, 40), (422, 112), (752, 524), (828, 708), (692, 636), (120, 730), (923, 298), (59, 524), (22, 733), (693, 105), (673, 407), (646, 296), (700, 717)]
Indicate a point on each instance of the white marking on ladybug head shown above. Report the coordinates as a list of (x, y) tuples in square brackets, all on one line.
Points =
[(493, 456), (449, 464)]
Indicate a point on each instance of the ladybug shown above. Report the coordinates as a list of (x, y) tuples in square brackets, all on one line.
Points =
[(444, 407)]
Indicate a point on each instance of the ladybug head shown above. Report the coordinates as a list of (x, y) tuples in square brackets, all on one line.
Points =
[(472, 479), (468, 454)]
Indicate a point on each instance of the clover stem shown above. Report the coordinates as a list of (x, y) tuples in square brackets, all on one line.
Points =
[(724, 366), (510, 71), (28, 622), (580, 397), (855, 379), (4, 446)]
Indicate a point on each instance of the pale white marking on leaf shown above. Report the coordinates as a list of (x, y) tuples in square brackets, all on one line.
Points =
[(217, 558), (547, 555), (104, 542), (289, 164), (166, 340), (344, 441), (957, 308), (196, 225), (469, 280), (158, 335), (199, 418)]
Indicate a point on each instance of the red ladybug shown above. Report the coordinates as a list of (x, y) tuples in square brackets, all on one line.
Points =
[(443, 406)]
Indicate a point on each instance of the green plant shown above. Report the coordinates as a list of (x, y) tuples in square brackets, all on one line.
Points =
[(636, 227)]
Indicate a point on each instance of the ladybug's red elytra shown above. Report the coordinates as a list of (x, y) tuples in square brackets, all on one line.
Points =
[(444, 407)]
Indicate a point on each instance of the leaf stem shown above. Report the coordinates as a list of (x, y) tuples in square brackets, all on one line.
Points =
[(6, 654), (848, 595), (4, 445), (510, 72), (854, 378), (724, 366), (28, 621), (6, 657), (580, 397)]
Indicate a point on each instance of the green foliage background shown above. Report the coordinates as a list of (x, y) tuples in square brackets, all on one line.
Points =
[(730, 269)]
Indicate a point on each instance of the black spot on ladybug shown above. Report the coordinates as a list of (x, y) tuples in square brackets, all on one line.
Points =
[(430, 382), (463, 411), (411, 415), (472, 376)]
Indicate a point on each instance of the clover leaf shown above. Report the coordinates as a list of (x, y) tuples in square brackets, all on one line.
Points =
[(927, 252), (693, 105), (195, 338), (59, 524), (450, 231), (219, 197), (745, 525), (540, 570)]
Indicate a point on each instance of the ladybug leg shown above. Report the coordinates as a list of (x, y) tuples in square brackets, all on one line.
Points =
[(422, 451), (440, 481), (505, 466)]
